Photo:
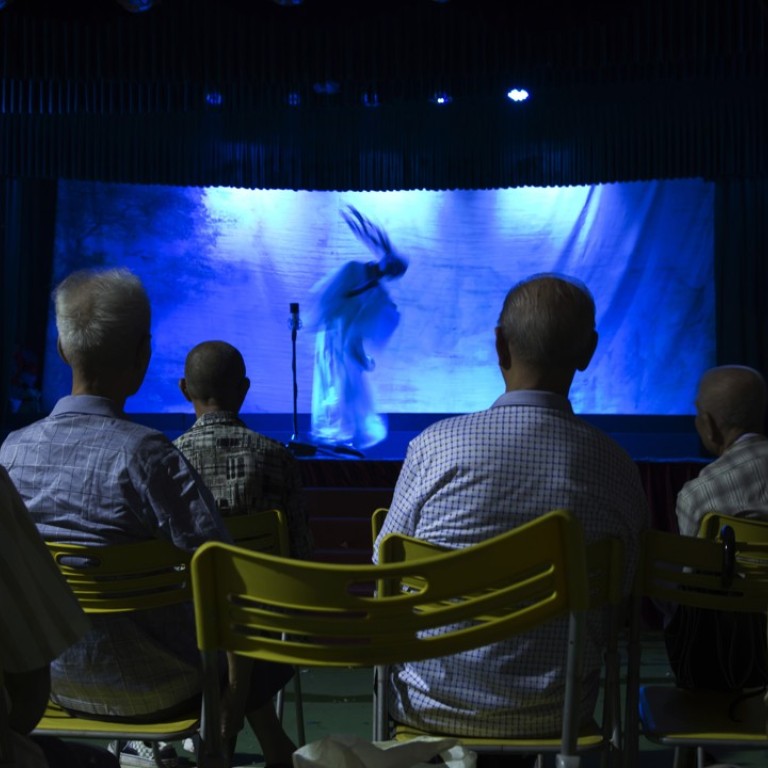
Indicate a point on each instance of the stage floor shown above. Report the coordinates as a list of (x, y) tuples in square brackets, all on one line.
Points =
[(645, 438)]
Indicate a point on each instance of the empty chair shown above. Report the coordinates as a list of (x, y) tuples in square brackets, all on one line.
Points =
[(327, 615), (268, 532)]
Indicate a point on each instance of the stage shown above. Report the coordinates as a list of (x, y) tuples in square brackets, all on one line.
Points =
[(343, 489)]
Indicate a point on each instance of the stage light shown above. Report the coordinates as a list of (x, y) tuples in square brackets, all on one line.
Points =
[(327, 87), (517, 94), (136, 6), (214, 99), (370, 99), (441, 98), (294, 99)]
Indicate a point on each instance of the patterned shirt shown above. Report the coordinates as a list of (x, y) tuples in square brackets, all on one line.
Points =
[(247, 472), (90, 476), (735, 483), (472, 477)]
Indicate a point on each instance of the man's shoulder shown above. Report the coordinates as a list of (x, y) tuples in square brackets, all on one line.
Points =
[(204, 433)]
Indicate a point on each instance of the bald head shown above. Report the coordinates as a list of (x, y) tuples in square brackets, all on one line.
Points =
[(547, 329), (734, 396), (214, 376)]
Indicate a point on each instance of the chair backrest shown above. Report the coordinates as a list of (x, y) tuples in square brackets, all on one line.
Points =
[(720, 574), (124, 577), (377, 521), (245, 600), (694, 571), (744, 528), (260, 532), (605, 575)]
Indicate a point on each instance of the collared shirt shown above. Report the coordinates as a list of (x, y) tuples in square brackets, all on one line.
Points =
[(247, 472), (472, 477), (735, 483), (40, 615), (88, 475)]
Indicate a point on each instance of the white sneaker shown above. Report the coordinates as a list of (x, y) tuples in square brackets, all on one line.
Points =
[(141, 755)]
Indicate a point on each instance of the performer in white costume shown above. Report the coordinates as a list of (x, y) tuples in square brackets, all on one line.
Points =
[(353, 309)]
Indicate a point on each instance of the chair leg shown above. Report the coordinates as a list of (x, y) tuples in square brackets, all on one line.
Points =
[(279, 704), (567, 761), (299, 703)]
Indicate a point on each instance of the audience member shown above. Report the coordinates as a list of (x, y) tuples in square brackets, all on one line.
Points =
[(246, 472), (730, 419), (471, 477), (41, 617), (720, 650), (91, 476)]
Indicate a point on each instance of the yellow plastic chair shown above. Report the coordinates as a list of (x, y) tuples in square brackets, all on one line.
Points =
[(115, 579), (268, 532), (744, 528), (708, 574), (320, 614), (377, 521), (604, 560)]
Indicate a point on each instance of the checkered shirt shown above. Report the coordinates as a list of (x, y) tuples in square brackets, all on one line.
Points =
[(469, 478), (90, 476), (247, 472), (735, 483)]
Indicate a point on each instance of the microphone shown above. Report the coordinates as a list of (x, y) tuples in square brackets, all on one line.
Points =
[(295, 321)]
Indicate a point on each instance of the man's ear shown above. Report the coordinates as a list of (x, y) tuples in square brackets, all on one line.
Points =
[(502, 350), (183, 388), (144, 353), (709, 432), (60, 350), (245, 385), (588, 354)]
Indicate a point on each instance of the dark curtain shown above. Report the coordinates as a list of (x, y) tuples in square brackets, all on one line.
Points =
[(741, 272), (27, 210)]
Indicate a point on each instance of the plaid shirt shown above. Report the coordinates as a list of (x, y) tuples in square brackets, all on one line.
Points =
[(88, 475), (472, 477), (247, 472), (735, 483)]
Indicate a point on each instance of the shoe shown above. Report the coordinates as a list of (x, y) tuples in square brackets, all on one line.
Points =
[(141, 755)]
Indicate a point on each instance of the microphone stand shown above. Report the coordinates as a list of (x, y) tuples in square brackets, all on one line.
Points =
[(297, 447)]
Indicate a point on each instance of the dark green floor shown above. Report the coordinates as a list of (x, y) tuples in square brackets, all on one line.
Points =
[(340, 701)]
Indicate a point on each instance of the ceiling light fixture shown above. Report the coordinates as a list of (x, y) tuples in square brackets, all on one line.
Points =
[(518, 94)]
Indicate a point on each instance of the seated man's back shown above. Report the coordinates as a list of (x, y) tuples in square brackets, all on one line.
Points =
[(88, 475), (246, 472), (472, 477)]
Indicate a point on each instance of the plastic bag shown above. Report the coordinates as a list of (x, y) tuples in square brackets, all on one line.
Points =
[(343, 751)]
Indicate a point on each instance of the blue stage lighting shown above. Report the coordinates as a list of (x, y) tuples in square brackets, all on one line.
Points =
[(518, 94), (214, 99), (294, 99), (370, 99)]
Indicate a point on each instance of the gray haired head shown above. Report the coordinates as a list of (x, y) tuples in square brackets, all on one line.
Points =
[(101, 317)]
